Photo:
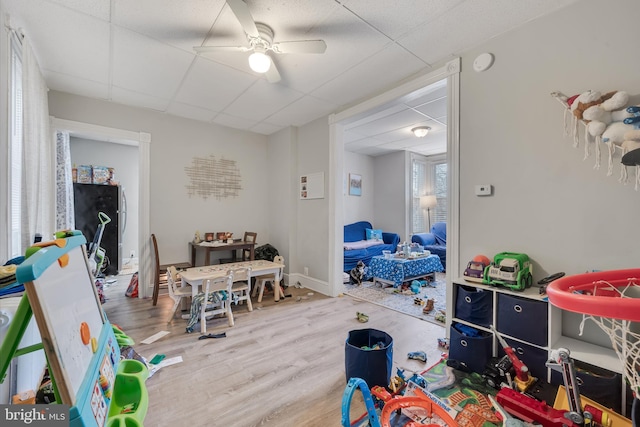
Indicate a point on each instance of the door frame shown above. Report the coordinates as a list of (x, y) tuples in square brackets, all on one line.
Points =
[(142, 140), (337, 121)]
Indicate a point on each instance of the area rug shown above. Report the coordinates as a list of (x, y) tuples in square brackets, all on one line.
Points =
[(410, 304)]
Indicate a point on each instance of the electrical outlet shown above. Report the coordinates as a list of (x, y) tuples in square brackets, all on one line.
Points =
[(306, 271), (132, 254)]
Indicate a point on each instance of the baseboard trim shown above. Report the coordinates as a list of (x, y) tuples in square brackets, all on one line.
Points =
[(311, 283)]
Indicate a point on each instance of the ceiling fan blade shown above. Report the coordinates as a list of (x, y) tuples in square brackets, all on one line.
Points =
[(213, 49), (241, 10), (273, 75), (302, 46)]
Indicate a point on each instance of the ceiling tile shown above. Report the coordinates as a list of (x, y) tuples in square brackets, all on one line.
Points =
[(234, 122), (402, 119), (262, 100), (381, 70), (183, 24), (400, 17), (78, 48), (433, 109), (471, 23), (266, 128), (77, 85), (212, 86), (191, 112), (98, 8), (147, 66), (302, 111), (128, 97), (344, 50)]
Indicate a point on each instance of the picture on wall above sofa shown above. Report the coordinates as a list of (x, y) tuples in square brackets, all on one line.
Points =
[(362, 242)]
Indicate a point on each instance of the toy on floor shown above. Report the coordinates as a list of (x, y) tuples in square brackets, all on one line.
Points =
[(362, 318), (523, 379), (418, 355), (507, 420)]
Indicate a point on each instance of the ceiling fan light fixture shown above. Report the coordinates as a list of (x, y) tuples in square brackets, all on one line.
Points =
[(259, 62), (421, 131)]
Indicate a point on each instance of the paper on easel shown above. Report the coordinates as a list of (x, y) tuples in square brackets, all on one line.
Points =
[(155, 337)]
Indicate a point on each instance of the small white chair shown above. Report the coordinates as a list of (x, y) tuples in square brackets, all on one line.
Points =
[(261, 281), (211, 308), (176, 291), (241, 287)]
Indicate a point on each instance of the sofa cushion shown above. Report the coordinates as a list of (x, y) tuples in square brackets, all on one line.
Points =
[(356, 231), (361, 244), (373, 234)]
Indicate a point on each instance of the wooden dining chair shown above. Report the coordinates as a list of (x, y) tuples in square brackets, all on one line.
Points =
[(216, 304), (176, 291), (241, 287), (160, 274), (261, 281), (251, 237)]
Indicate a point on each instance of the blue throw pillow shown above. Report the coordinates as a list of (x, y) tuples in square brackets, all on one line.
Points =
[(373, 234)]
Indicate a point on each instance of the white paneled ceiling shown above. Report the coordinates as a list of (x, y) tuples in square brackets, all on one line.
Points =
[(140, 53)]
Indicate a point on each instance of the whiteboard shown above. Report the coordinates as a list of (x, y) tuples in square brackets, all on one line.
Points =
[(62, 298)]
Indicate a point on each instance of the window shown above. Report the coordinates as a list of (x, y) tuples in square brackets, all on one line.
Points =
[(15, 147), (428, 176)]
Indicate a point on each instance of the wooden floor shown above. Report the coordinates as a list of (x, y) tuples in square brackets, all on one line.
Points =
[(280, 365)]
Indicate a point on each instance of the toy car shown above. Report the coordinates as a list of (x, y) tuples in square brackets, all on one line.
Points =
[(511, 270), (474, 271)]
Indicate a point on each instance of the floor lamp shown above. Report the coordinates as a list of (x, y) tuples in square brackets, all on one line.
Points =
[(428, 202)]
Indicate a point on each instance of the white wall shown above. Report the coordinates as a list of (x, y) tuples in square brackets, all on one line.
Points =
[(547, 201), (282, 176), (124, 160), (359, 208), (392, 202), (313, 219), (176, 216)]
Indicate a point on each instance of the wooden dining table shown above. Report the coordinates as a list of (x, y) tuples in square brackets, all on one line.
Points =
[(195, 276), (208, 247)]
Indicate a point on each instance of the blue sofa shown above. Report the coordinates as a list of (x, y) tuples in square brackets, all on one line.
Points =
[(356, 232), (435, 242)]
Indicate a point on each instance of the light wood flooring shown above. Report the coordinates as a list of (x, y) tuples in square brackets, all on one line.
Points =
[(280, 365)]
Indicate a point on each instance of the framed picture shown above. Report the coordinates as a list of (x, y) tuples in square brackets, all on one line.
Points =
[(355, 184), (208, 237)]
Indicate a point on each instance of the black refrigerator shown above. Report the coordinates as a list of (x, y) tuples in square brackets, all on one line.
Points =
[(89, 200)]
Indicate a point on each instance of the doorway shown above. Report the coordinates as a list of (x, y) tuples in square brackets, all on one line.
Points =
[(142, 141), (340, 121)]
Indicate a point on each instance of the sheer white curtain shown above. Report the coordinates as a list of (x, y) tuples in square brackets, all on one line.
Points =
[(38, 195), (65, 218)]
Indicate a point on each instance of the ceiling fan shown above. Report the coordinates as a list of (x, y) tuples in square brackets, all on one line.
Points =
[(260, 38)]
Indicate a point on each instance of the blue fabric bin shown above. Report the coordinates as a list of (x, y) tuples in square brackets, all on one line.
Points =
[(373, 366)]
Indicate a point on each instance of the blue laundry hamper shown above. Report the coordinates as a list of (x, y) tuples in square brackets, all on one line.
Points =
[(373, 366)]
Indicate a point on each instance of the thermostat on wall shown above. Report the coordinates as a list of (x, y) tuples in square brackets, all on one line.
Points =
[(483, 189)]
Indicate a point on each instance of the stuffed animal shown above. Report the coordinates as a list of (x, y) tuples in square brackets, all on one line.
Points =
[(603, 116), (630, 154), (357, 273)]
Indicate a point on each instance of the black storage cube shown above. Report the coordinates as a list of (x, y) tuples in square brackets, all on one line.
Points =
[(373, 366), (474, 305), (475, 352), (598, 384), (535, 358), (523, 318)]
